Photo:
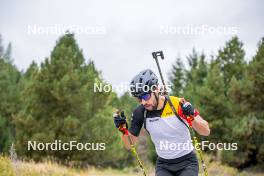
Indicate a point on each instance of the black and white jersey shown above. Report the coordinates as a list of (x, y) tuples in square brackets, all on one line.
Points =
[(170, 136)]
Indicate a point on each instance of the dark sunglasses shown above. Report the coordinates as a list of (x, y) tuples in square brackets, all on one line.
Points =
[(145, 97)]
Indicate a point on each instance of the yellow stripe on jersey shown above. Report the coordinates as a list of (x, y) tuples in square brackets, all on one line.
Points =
[(167, 111)]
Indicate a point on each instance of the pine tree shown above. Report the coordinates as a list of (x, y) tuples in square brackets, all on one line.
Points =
[(31, 71), (231, 59), (177, 77), (256, 76), (193, 59), (1, 47), (55, 101), (8, 53), (201, 71), (248, 115), (214, 105), (9, 96), (195, 77), (60, 104), (192, 64)]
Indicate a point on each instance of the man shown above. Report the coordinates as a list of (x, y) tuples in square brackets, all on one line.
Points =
[(170, 135)]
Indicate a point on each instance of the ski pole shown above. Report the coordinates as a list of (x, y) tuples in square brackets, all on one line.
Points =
[(155, 55), (135, 153), (123, 127)]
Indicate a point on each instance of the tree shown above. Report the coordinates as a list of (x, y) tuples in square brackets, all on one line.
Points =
[(31, 71), (214, 105), (9, 96), (60, 104), (231, 59), (177, 77), (195, 77), (1, 47), (247, 95), (256, 75), (193, 59), (8, 53)]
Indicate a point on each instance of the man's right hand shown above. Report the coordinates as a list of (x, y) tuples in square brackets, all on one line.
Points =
[(120, 121)]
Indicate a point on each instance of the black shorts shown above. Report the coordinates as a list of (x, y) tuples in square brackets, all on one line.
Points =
[(186, 165)]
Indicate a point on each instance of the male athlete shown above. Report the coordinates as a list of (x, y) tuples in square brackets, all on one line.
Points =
[(171, 137)]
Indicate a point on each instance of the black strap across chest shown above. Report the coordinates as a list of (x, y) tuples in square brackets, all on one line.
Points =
[(173, 109)]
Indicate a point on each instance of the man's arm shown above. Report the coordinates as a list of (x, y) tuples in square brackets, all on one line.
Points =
[(198, 123), (201, 126), (130, 135)]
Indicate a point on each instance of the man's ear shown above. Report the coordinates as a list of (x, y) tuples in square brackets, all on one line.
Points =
[(160, 89)]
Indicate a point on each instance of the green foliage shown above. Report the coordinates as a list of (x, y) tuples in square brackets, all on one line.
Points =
[(60, 104), (231, 60), (177, 77), (9, 95), (125, 103), (56, 101), (247, 95), (229, 95), (214, 104), (1, 47), (195, 77)]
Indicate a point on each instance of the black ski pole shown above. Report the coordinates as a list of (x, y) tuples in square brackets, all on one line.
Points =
[(155, 56)]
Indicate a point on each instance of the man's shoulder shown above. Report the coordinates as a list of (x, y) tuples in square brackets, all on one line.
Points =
[(139, 110), (138, 113), (175, 97), (175, 100)]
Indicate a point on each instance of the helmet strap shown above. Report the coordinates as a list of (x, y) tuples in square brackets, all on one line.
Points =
[(157, 100)]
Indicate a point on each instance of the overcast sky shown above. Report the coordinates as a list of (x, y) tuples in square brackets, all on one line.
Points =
[(120, 34)]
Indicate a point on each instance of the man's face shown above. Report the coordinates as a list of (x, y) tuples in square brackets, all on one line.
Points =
[(148, 101)]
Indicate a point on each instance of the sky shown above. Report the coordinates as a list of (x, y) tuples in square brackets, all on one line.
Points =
[(119, 36)]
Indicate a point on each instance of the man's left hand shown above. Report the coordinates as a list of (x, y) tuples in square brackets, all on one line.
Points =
[(187, 108)]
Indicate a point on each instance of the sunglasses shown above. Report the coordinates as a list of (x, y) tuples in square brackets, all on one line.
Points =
[(144, 97)]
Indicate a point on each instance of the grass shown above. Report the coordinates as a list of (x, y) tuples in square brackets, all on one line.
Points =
[(49, 168), (19, 168)]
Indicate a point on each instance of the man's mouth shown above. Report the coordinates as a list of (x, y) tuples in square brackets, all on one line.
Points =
[(147, 106)]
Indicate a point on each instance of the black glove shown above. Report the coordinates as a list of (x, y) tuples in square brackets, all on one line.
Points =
[(187, 108), (120, 119)]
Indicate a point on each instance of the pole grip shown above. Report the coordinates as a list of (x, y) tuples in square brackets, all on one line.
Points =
[(155, 56), (158, 53)]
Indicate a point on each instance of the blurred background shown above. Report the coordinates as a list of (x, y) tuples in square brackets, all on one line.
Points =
[(52, 53)]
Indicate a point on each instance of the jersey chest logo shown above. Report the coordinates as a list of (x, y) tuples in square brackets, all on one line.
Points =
[(169, 113), (153, 120)]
